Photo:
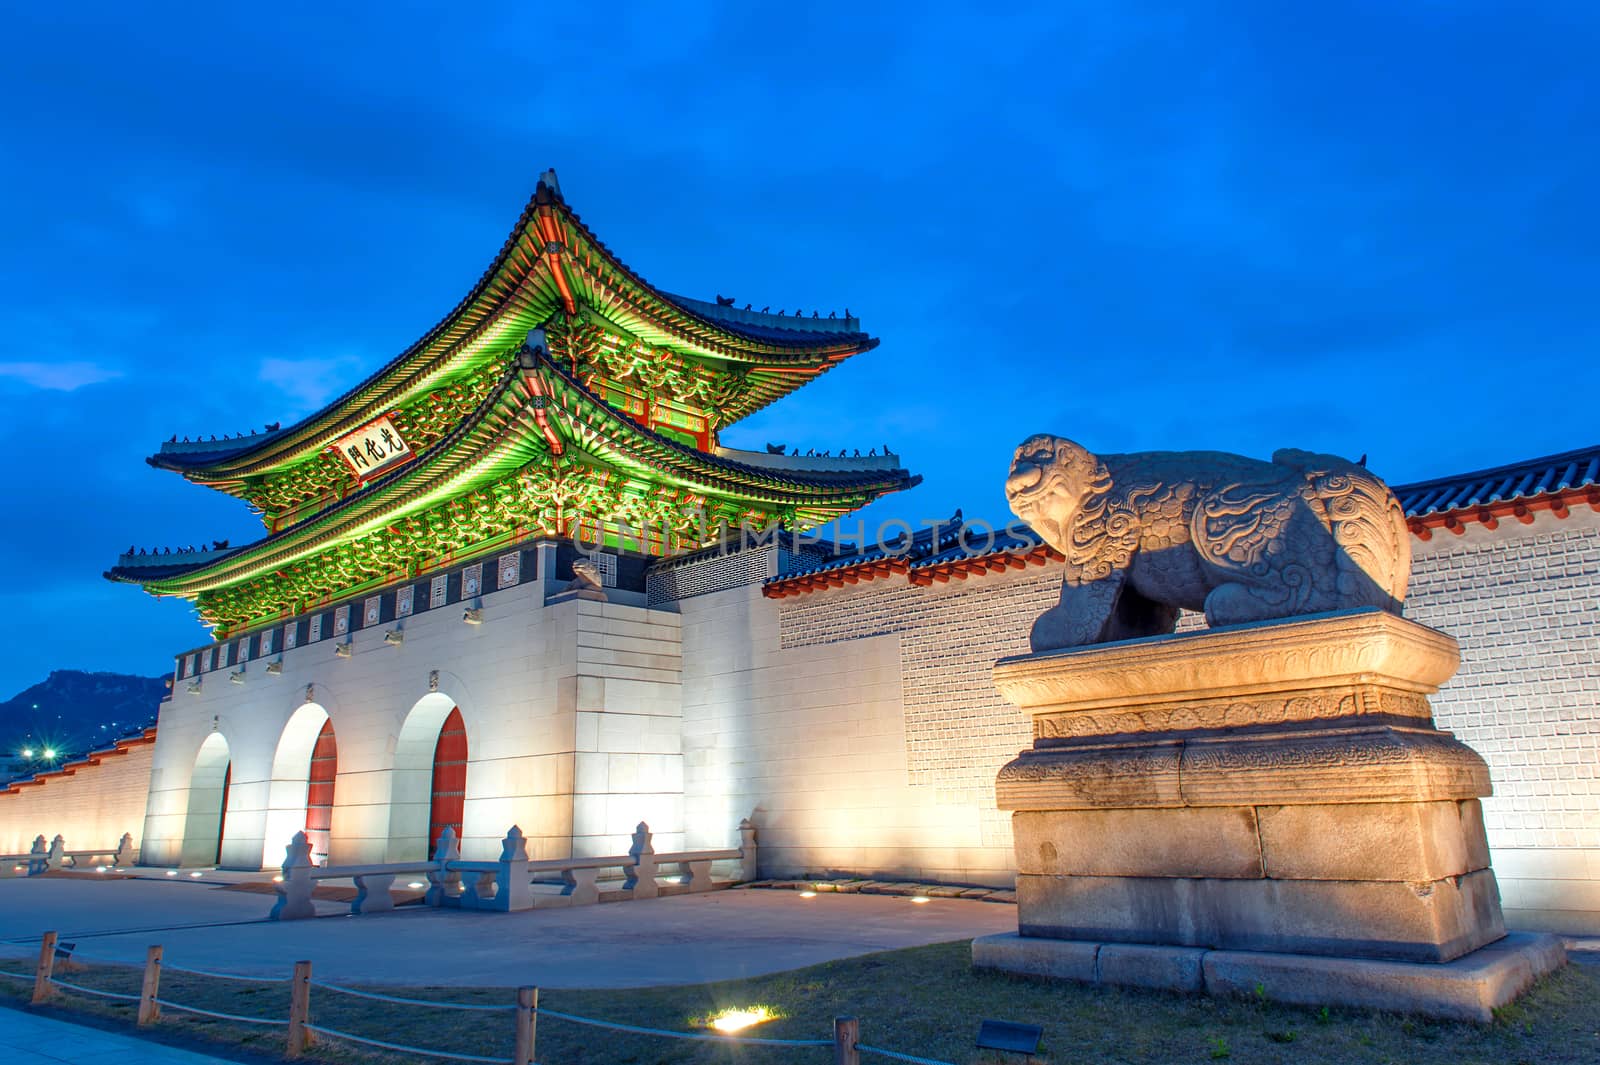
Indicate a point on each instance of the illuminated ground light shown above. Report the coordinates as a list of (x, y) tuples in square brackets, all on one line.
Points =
[(416, 885), (277, 879), (919, 898), (172, 872), (99, 868), (733, 1020), (196, 876), (808, 894)]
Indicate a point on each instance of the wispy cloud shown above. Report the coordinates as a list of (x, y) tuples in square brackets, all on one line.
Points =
[(59, 376), (311, 382)]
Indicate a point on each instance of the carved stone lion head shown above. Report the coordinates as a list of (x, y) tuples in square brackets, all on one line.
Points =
[(1051, 478)]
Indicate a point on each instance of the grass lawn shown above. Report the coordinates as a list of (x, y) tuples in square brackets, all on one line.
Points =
[(925, 1001)]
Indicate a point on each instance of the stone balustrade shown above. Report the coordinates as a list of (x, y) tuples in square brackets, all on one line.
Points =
[(509, 883), (46, 857)]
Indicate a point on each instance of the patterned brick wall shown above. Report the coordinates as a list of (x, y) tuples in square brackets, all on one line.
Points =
[(958, 729), (1525, 607), (91, 808)]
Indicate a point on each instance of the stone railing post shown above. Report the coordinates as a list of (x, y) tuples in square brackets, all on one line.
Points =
[(513, 883), (444, 884), (749, 867), (124, 853), (38, 857), (294, 890), (57, 858), (641, 874)]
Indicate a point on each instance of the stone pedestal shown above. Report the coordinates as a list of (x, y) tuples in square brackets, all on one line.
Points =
[(1270, 791)]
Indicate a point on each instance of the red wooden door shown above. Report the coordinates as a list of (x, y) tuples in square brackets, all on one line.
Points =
[(319, 791), (222, 814), (449, 779)]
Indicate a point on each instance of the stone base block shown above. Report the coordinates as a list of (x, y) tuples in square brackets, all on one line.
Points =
[(1469, 988), (1419, 922)]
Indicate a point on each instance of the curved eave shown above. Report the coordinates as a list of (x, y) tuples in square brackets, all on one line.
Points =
[(548, 262), (596, 428), (500, 434)]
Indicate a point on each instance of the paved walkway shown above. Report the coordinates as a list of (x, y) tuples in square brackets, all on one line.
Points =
[(684, 939), (29, 1039)]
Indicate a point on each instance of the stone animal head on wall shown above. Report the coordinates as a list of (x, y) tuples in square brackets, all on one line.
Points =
[(1148, 534)]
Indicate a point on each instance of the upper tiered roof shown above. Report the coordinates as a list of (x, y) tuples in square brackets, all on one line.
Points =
[(550, 264)]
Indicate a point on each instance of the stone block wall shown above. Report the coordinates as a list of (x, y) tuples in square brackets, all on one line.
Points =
[(89, 808), (1524, 603)]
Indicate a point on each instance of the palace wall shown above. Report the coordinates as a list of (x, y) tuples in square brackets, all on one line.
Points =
[(90, 805), (857, 726), (861, 726)]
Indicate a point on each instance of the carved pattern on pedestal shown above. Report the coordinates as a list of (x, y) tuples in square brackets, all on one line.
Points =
[(1233, 713)]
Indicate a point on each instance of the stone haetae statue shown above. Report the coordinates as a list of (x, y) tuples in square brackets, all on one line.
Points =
[(1148, 533)]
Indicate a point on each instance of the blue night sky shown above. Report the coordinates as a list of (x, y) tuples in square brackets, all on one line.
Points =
[(1345, 227)]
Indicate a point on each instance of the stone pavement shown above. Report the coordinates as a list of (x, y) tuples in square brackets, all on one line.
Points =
[(683, 939), (30, 1039)]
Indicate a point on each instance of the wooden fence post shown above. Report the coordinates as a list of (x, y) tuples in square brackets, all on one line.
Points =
[(846, 1033), (527, 1023), (47, 966), (299, 1009), (149, 1008)]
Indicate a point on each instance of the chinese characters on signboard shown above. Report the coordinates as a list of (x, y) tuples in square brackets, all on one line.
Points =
[(373, 449)]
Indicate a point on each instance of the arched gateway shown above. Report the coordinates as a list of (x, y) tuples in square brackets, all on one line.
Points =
[(300, 796), (206, 822), (429, 781)]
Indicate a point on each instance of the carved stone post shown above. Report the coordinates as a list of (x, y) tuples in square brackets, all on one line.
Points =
[(749, 866), (294, 890), (444, 884), (513, 883), (38, 857), (57, 858), (125, 854), (641, 874)]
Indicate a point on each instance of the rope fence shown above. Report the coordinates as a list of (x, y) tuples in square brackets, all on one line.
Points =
[(846, 1044)]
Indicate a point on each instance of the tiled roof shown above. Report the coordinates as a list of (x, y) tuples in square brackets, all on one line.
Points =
[(1551, 483), (1502, 484)]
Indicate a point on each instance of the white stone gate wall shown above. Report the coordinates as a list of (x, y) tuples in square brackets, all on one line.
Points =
[(1524, 602), (536, 685)]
